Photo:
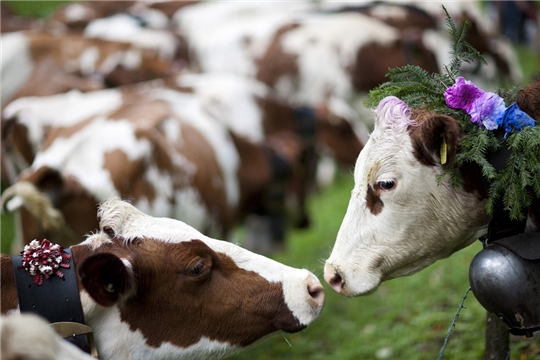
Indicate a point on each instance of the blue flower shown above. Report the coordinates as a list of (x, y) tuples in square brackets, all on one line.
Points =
[(515, 119), (486, 109)]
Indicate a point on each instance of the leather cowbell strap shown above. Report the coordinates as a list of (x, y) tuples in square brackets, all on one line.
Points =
[(57, 299)]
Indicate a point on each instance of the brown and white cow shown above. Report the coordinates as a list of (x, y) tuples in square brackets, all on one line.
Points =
[(400, 219), (174, 293), (162, 150)]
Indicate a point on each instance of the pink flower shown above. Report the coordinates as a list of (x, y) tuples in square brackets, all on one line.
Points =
[(485, 108), (462, 95)]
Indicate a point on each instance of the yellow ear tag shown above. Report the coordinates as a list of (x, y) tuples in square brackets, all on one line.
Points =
[(443, 150)]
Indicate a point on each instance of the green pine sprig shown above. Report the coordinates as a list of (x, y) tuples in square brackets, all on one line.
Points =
[(422, 90)]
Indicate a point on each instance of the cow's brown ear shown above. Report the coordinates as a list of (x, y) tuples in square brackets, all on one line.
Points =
[(435, 140), (105, 277), (528, 100)]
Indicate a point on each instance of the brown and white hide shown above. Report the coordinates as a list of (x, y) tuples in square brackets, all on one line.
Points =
[(155, 288), (108, 62)]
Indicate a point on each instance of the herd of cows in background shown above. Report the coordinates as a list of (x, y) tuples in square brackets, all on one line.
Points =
[(215, 114), (211, 113)]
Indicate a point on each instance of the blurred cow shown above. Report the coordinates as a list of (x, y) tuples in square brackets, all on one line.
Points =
[(155, 288), (29, 337)]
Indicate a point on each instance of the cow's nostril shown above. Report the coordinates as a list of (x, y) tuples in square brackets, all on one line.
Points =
[(316, 291), (336, 282)]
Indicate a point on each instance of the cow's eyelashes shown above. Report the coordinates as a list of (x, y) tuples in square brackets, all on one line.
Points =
[(197, 269), (386, 184)]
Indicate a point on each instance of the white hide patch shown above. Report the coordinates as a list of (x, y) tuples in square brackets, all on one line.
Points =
[(232, 99), (77, 12), (130, 223), (229, 36), (125, 28), (17, 65), (63, 110), (129, 344)]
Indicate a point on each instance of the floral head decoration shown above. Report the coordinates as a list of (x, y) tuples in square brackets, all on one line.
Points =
[(42, 260), (481, 116), (486, 108)]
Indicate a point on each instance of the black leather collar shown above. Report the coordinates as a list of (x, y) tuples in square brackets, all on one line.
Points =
[(57, 299)]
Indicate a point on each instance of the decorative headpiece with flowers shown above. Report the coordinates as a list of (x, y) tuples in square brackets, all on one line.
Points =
[(479, 113)]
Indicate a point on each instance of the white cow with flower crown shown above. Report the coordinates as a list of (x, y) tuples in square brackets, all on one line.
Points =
[(400, 217)]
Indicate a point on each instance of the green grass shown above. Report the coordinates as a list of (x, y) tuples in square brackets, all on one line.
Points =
[(34, 8)]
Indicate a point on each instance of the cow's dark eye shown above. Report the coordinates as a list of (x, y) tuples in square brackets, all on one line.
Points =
[(387, 184), (196, 270)]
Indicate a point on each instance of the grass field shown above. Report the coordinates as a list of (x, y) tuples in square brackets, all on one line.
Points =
[(406, 318)]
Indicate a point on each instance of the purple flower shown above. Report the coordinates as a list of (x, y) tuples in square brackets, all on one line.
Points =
[(462, 95), (486, 109), (515, 119)]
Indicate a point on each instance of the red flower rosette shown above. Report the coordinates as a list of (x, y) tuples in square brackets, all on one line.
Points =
[(42, 260)]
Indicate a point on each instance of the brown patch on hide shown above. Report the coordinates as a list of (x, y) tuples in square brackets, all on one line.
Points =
[(16, 140), (337, 135), (373, 200), (144, 114), (128, 176), (68, 50), (169, 8), (63, 132), (185, 291), (68, 196), (8, 288), (373, 60), (93, 10), (207, 178), (528, 100), (48, 78), (276, 63), (254, 174)]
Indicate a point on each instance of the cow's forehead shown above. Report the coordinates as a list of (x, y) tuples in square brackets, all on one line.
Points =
[(390, 134), (130, 223)]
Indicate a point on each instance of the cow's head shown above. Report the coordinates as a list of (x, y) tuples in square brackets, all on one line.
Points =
[(162, 289), (400, 217)]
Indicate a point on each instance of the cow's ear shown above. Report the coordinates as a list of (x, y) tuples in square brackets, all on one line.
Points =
[(435, 140), (106, 278)]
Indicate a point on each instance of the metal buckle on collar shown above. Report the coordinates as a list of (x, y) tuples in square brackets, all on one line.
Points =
[(68, 329)]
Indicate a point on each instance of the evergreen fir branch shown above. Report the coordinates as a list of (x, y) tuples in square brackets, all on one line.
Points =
[(422, 90)]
